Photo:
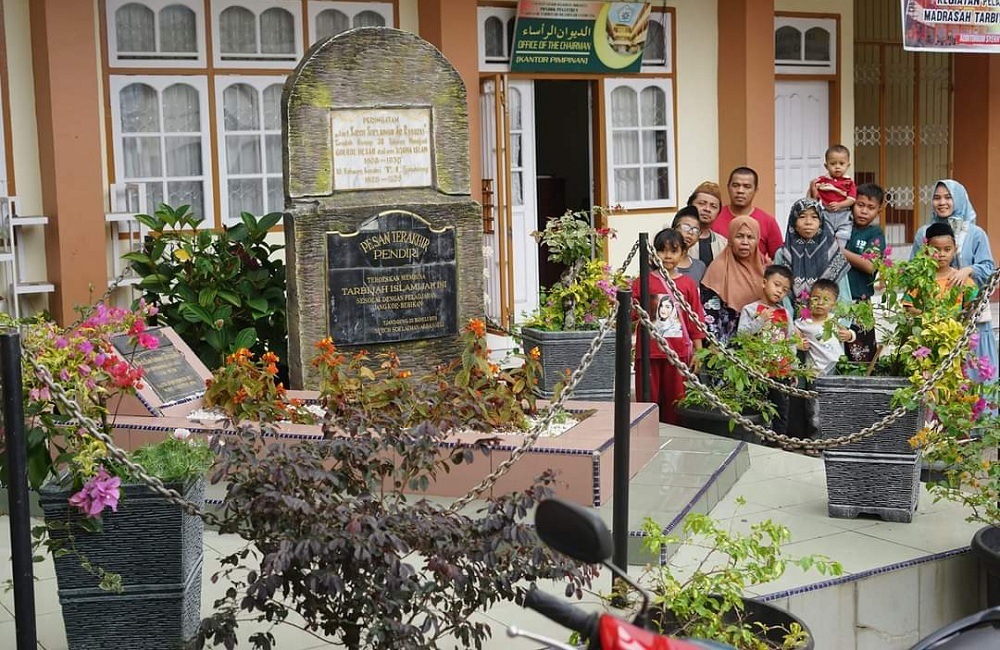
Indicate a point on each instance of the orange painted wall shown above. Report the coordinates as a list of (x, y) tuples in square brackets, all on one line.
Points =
[(746, 92), (450, 26), (67, 99), (976, 137)]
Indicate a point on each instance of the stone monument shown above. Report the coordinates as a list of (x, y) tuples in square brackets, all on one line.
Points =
[(384, 241)]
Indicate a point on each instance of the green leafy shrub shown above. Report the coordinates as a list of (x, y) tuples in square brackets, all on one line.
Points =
[(220, 290)]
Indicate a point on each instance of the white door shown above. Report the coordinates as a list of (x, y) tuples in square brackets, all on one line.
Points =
[(524, 218), (801, 136)]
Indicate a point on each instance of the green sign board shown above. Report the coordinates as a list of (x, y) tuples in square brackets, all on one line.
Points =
[(579, 36)]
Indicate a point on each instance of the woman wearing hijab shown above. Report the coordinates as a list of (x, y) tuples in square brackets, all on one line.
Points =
[(811, 251), (950, 204), (734, 279)]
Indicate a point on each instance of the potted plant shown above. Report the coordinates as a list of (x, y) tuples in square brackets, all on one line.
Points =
[(708, 602), (128, 564), (573, 309), (732, 384), (331, 516), (916, 328)]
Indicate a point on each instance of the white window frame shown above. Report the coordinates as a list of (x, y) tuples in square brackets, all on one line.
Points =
[(259, 83), (258, 60), (666, 84), (352, 9), (505, 14), (115, 60), (159, 83), (665, 19), (803, 67)]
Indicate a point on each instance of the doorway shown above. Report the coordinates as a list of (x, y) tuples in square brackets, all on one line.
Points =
[(564, 170), (801, 136)]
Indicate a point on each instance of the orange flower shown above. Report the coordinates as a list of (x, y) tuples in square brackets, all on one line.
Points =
[(494, 368), (326, 345), (404, 374), (477, 327), (535, 354), (269, 357), (271, 369), (240, 396)]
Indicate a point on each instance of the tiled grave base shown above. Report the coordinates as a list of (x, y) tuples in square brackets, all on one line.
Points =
[(890, 607), (582, 456)]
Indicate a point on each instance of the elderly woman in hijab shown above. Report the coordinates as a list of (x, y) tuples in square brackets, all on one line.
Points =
[(811, 251), (950, 204), (733, 280), (707, 199)]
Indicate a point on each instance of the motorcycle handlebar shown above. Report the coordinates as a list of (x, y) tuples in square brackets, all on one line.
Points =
[(563, 613)]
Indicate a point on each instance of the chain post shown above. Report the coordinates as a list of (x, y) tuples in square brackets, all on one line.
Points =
[(623, 404)]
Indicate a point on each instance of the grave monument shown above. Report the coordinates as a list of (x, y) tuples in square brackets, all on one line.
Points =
[(384, 241)]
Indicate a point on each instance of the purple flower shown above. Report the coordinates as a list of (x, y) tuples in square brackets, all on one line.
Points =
[(986, 370), (60, 342), (978, 408), (85, 346), (100, 492), (974, 340), (922, 352)]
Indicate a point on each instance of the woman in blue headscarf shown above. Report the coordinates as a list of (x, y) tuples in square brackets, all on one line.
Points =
[(950, 204)]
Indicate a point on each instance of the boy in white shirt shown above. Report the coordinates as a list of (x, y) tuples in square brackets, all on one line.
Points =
[(822, 350)]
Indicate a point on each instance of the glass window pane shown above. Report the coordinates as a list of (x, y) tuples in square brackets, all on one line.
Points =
[(275, 195), (654, 106), (154, 196), (243, 154), (516, 189), (181, 109), (134, 28), (656, 45), (515, 150), (514, 97), (183, 155), (624, 107), (627, 185), (141, 157), (272, 107), (140, 109), (787, 44), (656, 184), (494, 38), (237, 31), (369, 19), (331, 22), (245, 195), (277, 32), (239, 108), (817, 44), (510, 35), (273, 145), (654, 147), (177, 29), (187, 193), (625, 146)]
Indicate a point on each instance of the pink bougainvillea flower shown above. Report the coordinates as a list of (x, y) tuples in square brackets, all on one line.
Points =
[(100, 492), (986, 370), (979, 407), (922, 352), (148, 341)]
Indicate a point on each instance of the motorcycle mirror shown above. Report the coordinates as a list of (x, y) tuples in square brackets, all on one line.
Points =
[(574, 531)]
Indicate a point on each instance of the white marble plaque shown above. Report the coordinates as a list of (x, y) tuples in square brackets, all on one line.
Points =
[(381, 148)]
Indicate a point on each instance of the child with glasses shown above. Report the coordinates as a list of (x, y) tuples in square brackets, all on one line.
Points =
[(687, 224)]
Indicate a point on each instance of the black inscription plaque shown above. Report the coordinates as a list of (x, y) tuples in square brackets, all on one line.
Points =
[(392, 280), (165, 369)]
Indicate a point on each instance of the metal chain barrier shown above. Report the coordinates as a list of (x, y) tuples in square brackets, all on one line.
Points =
[(712, 340), (826, 443), (112, 286)]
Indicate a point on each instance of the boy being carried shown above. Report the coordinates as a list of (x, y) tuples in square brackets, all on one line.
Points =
[(836, 192)]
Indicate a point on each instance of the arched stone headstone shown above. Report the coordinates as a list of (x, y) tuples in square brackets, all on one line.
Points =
[(384, 241)]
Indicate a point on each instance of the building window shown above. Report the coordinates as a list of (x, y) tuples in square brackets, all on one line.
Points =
[(164, 33), (159, 124), (250, 145), (251, 33), (640, 142), (659, 39), (328, 19), (805, 45), (496, 37)]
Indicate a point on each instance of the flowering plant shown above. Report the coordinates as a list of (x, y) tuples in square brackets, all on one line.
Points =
[(586, 292), (247, 389), (94, 373)]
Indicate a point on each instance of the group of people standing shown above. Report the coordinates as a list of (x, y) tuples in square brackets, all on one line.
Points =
[(732, 264)]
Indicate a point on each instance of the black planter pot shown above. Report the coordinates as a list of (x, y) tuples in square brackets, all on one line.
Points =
[(157, 550), (709, 420), (778, 622), (561, 351), (986, 546)]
